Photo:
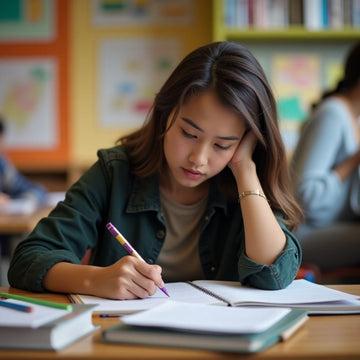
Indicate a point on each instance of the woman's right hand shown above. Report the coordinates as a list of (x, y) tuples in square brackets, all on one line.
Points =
[(128, 278)]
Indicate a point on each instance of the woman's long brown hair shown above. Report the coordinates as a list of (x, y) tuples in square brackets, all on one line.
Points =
[(235, 75)]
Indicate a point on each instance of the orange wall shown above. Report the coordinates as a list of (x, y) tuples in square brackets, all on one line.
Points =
[(58, 49)]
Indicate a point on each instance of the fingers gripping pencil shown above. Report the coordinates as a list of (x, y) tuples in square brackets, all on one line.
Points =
[(117, 235)]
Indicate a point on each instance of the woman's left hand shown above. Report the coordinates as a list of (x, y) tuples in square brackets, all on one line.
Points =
[(242, 157)]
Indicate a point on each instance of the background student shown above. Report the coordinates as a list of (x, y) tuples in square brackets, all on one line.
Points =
[(201, 191), (14, 185), (17, 195), (326, 174)]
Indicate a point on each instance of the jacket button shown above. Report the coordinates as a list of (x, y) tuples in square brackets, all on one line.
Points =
[(160, 234), (212, 269)]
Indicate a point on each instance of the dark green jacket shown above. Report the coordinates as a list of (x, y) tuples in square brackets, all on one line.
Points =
[(108, 192)]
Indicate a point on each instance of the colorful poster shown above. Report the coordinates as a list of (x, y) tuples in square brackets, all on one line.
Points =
[(297, 75), (131, 72), (26, 20), (296, 80), (142, 12), (28, 103)]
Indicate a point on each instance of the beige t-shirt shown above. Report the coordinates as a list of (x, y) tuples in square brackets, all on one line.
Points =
[(179, 256)]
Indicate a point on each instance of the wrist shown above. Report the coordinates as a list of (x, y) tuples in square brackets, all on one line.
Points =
[(247, 179), (90, 279), (243, 170)]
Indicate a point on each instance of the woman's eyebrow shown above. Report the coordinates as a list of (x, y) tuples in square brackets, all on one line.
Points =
[(191, 123)]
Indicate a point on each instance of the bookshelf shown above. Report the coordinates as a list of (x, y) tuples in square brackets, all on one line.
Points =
[(284, 31)]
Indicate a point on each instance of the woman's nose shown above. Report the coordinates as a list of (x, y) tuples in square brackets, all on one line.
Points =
[(199, 155)]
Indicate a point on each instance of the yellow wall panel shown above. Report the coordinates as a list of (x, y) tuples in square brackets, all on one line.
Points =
[(87, 134)]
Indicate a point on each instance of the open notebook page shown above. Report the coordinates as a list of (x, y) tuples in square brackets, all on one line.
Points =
[(298, 292), (179, 291)]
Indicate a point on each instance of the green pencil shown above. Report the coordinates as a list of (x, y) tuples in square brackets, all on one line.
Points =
[(67, 307)]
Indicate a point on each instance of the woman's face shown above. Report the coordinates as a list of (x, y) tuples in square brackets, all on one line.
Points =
[(201, 141)]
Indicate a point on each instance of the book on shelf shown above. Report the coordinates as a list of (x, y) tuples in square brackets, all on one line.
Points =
[(314, 14), (44, 327), (348, 7), (335, 14), (300, 294), (220, 328), (355, 13), (296, 13)]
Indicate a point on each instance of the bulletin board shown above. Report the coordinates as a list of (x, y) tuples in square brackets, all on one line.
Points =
[(34, 84)]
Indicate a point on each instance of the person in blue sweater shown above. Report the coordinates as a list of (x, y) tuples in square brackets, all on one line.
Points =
[(325, 174), (13, 184), (201, 191)]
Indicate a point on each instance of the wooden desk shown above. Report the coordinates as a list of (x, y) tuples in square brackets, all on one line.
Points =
[(322, 337), (22, 223), (18, 225)]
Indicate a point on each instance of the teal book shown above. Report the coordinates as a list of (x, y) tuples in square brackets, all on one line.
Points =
[(207, 327)]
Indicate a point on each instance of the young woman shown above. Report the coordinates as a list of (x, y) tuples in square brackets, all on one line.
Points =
[(326, 174), (200, 191)]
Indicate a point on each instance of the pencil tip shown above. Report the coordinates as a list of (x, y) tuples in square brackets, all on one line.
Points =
[(165, 291)]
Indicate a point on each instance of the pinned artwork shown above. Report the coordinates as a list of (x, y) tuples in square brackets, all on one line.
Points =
[(130, 73)]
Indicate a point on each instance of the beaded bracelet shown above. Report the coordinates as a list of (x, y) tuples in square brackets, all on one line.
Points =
[(252, 192)]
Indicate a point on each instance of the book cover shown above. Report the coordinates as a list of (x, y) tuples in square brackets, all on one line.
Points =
[(44, 328), (313, 14)]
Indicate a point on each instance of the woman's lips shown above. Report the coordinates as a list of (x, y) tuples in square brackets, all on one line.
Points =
[(192, 174)]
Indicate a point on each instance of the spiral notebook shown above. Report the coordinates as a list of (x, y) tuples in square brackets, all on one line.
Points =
[(300, 294)]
